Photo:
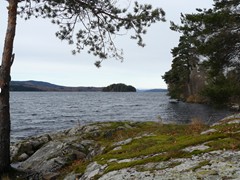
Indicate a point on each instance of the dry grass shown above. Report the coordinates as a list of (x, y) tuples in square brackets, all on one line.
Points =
[(78, 166), (196, 125)]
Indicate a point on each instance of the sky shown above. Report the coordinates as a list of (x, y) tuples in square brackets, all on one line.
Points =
[(39, 55)]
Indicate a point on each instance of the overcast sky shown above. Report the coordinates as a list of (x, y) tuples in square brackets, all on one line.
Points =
[(41, 56)]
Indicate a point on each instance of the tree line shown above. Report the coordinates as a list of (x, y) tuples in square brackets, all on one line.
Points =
[(206, 62), (119, 88)]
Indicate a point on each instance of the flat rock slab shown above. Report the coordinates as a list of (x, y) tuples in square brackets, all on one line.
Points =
[(201, 147), (221, 164), (46, 159)]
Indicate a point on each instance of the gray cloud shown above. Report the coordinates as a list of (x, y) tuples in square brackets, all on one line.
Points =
[(41, 56)]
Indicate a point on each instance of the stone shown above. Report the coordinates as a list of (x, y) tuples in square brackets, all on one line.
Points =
[(23, 157), (77, 155), (112, 160), (73, 176), (14, 152), (120, 128), (235, 107), (45, 159), (216, 124), (53, 155), (94, 151), (92, 170), (38, 142), (127, 126), (75, 130), (237, 121), (53, 164), (235, 116), (221, 165), (28, 146), (128, 173), (87, 143), (117, 148), (59, 134), (125, 160), (79, 147), (209, 131), (120, 143), (90, 128), (194, 148), (25, 147)]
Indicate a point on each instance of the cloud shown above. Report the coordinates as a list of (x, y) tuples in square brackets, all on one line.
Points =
[(41, 56)]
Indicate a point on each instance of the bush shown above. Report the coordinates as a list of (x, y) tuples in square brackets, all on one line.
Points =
[(220, 93)]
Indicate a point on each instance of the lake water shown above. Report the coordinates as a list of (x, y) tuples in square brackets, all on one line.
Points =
[(34, 113)]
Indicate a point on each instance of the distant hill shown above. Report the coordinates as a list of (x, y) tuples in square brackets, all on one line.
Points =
[(45, 86), (152, 90)]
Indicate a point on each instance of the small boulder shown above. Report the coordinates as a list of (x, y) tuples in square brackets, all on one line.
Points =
[(74, 131), (72, 176), (120, 143), (25, 147), (46, 159), (23, 157), (92, 170), (87, 143), (208, 131)]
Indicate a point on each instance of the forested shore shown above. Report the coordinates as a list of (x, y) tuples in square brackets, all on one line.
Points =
[(206, 64)]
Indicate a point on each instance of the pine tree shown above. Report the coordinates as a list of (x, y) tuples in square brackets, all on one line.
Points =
[(215, 36)]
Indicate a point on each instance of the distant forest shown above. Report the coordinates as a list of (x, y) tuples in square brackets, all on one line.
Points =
[(206, 62), (119, 88)]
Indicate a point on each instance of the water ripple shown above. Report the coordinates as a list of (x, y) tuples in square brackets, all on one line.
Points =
[(35, 113)]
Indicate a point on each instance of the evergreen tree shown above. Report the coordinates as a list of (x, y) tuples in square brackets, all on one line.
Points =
[(215, 36), (184, 60)]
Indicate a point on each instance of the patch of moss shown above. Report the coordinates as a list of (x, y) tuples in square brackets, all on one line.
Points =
[(163, 157), (118, 131), (225, 143), (156, 144), (163, 142)]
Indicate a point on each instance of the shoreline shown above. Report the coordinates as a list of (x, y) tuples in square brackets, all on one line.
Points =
[(132, 149)]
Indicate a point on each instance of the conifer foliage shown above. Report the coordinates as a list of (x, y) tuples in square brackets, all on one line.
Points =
[(213, 39), (94, 24)]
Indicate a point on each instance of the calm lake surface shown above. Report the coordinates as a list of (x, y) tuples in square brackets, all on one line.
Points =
[(34, 113)]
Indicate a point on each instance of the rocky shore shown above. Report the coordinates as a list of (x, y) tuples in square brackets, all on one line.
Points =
[(133, 150)]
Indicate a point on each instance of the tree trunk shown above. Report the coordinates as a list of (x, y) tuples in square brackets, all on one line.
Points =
[(7, 60)]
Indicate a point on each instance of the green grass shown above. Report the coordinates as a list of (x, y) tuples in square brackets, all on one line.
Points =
[(154, 145)]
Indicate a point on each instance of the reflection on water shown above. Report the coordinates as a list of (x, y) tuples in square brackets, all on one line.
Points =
[(184, 112), (40, 112)]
